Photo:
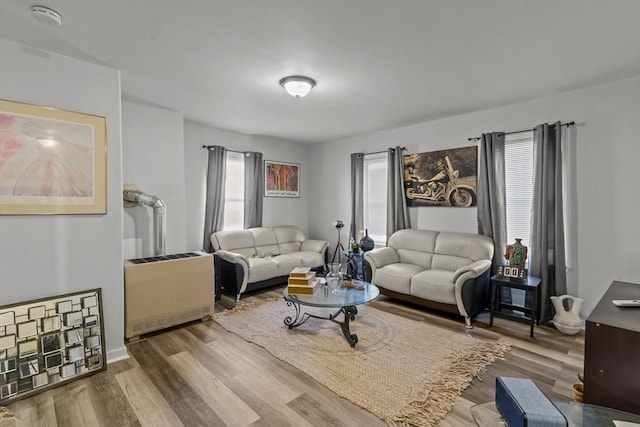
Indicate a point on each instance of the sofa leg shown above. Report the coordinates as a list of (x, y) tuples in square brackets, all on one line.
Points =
[(238, 298), (467, 323)]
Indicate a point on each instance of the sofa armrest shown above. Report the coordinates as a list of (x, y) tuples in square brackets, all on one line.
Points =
[(311, 245), (471, 274), (382, 256), (239, 260), (475, 269), (233, 257)]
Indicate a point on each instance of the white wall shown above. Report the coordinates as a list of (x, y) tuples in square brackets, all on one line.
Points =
[(153, 161), (276, 211), (606, 207), (42, 256)]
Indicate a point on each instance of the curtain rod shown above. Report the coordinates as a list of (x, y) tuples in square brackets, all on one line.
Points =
[(383, 151), (234, 151), (211, 146), (476, 138)]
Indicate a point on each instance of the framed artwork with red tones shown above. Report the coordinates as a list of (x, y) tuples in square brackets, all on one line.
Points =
[(281, 179)]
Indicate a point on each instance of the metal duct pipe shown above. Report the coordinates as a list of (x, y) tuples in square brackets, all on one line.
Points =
[(159, 211)]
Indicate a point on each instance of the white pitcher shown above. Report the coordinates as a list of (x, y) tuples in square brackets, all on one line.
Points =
[(567, 321)]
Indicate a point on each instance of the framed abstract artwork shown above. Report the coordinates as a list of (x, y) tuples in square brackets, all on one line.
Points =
[(51, 161), (281, 179), (49, 342)]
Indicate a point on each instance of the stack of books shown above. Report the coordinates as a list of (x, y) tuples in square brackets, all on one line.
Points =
[(302, 281)]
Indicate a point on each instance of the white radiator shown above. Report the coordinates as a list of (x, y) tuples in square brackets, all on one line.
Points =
[(164, 291)]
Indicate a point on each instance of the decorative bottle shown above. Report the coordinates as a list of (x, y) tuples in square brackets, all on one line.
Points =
[(367, 243), (516, 254)]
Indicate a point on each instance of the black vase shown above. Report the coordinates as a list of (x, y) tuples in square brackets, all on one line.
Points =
[(367, 243)]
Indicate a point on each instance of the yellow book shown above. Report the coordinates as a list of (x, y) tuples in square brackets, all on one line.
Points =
[(305, 280), (303, 289), (300, 272)]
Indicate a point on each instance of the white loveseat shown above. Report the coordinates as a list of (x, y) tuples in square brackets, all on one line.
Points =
[(256, 258), (443, 270)]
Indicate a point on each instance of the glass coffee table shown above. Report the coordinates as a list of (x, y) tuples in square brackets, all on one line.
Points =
[(345, 300), (577, 415)]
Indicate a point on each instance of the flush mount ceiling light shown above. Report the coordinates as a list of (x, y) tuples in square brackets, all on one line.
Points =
[(297, 86), (46, 15)]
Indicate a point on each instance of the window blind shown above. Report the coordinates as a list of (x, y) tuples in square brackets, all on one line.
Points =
[(375, 196), (519, 185), (234, 192)]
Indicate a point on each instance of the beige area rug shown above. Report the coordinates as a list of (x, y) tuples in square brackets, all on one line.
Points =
[(407, 373)]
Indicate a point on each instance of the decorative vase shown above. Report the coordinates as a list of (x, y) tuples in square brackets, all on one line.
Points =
[(367, 243), (578, 392), (567, 320), (334, 278), (516, 254)]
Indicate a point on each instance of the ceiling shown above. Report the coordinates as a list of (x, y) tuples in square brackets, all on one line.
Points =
[(379, 64)]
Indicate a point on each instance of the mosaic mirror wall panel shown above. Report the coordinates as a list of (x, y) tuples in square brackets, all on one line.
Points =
[(49, 342)]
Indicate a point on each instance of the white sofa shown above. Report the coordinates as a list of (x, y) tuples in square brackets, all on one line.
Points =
[(256, 258), (443, 270)]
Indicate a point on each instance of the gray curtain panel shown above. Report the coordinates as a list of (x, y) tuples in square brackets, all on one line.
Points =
[(253, 189), (492, 200), (397, 211), (214, 208), (547, 223), (357, 182)]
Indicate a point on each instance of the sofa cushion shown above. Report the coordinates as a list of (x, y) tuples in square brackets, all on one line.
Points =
[(309, 259), (289, 238), (414, 246), (455, 250), (265, 241), (238, 241), (261, 269), (397, 277), (434, 285), (267, 251), (287, 248), (408, 256), (285, 263), (449, 262)]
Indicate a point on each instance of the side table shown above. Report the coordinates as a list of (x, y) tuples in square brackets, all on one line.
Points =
[(531, 287)]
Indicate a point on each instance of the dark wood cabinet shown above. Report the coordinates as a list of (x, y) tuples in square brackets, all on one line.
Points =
[(612, 351)]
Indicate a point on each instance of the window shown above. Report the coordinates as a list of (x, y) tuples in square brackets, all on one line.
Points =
[(234, 192), (518, 160), (519, 189), (375, 196)]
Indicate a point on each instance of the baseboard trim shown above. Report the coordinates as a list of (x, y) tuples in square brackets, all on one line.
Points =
[(117, 355)]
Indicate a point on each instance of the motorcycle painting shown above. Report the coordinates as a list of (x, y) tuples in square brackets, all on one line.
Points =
[(442, 178)]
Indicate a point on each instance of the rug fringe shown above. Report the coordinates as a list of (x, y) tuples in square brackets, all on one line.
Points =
[(246, 305), (433, 404)]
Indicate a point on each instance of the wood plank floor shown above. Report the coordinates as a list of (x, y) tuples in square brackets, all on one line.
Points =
[(201, 375)]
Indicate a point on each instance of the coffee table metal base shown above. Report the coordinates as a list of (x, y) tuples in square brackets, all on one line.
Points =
[(349, 313)]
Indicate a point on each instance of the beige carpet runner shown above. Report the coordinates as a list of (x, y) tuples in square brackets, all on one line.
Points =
[(405, 372)]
